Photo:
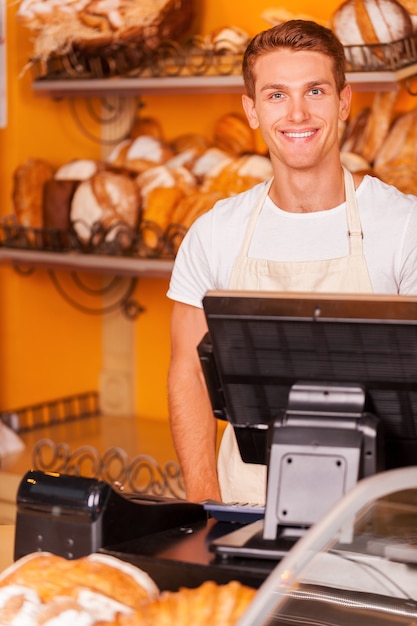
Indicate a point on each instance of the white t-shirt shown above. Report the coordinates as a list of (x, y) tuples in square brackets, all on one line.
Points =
[(389, 224)]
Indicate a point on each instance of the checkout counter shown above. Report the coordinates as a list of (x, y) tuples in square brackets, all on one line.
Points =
[(356, 565)]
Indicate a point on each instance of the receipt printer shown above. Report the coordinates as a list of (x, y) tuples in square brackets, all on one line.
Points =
[(73, 516)]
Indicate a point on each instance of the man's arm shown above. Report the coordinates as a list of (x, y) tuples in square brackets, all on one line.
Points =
[(193, 424)]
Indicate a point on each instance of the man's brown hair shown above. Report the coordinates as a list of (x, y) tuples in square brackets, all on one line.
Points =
[(294, 35)]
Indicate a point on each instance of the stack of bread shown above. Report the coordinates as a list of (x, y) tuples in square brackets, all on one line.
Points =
[(48, 590), (59, 26), (147, 184), (383, 141)]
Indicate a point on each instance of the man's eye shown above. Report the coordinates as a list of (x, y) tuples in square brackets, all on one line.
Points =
[(316, 91), (277, 96)]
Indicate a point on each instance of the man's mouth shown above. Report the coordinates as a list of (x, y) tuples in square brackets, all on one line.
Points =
[(294, 135)]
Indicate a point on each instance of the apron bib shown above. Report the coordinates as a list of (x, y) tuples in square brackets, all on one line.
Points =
[(246, 482)]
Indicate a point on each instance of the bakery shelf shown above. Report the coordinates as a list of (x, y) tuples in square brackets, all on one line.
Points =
[(95, 263), (120, 86)]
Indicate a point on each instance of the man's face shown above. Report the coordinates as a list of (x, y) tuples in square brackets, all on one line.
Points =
[(297, 107)]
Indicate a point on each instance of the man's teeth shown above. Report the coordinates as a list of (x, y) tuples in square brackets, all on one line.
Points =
[(300, 135)]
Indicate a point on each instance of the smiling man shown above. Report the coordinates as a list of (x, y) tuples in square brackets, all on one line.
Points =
[(312, 227)]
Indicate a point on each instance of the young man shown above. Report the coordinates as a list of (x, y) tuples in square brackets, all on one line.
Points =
[(313, 227)]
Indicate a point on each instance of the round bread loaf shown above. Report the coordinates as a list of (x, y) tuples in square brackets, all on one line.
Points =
[(78, 169), (137, 155), (228, 39), (107, 199), (364, 22)]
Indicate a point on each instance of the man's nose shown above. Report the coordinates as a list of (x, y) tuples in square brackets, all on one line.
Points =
[(297, 109)]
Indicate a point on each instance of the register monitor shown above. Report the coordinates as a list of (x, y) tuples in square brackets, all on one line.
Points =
[(320, 387)]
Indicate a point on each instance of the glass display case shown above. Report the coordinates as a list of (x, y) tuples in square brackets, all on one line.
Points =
[(355, 566)]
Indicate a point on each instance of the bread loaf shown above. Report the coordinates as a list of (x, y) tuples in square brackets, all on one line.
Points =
[(106, 199), (238, 175), (42, 589), (378, 123), (27, 195), (137, 155), (233, 134), (359, 22)]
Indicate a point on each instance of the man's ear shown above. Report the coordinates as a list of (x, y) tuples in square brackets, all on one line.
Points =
[(344, 104), (249, 108)]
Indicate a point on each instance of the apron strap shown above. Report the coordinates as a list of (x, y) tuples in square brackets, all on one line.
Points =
[(352, 211), (253, 217)]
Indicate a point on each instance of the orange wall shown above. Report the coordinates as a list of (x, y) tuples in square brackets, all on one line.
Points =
[(48, 349)]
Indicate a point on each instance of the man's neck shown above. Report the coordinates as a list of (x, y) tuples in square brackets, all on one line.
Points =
[(301, 191)]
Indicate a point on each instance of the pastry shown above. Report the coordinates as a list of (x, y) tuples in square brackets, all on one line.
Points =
[(108, 200), (401, 141), (42, 588), (210, 159), (78, 169), (366, 22), (355, 162), (193, 205), (233, 134), (164, 176), (228, 39), (187, 149), (378, 123), (101, 590), (147, 126), (137, 155), (210, 603), (352, 139), (59, 26), (238, 175), (28, 182)]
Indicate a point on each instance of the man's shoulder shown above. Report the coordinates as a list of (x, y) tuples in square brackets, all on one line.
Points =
[(372, 184)]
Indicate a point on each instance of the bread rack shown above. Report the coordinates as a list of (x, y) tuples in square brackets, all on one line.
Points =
[(194, 66)]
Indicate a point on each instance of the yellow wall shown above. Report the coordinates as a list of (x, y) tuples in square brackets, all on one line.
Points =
[(48, 349)]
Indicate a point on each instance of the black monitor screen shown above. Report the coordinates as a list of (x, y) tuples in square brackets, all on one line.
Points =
[(262, 343)]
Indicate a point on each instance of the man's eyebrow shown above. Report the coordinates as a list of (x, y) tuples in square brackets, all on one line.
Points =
[(283, 86)]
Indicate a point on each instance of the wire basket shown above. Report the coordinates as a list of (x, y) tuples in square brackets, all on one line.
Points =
[(147, 241)]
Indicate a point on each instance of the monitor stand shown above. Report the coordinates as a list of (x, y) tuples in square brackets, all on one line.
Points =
[(324, 443)]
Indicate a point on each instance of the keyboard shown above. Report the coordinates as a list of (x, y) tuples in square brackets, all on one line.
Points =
[(239, 512)]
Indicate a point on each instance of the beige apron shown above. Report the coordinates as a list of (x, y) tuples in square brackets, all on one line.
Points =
[(245, 482)]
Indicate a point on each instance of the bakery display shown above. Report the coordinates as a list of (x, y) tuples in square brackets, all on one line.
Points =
[(59, 26), (42, 588)]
